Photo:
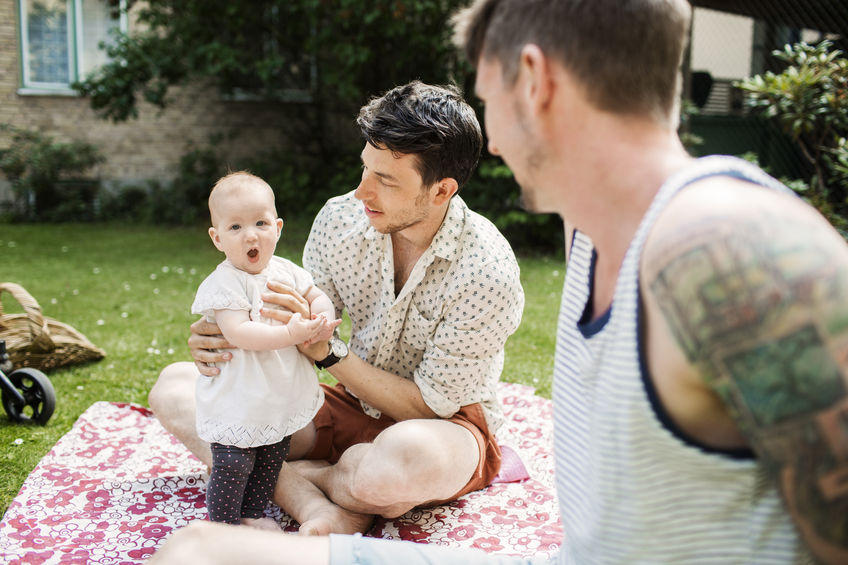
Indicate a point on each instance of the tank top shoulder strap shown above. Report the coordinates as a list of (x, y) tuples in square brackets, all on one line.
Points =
[(700, 169)]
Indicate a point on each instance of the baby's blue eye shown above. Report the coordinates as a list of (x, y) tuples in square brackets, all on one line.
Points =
[(235, 227), (261, 223)]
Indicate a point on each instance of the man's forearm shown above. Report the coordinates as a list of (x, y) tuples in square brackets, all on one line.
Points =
[(395, 396)]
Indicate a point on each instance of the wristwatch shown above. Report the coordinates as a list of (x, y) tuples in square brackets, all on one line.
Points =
[(338, 351)]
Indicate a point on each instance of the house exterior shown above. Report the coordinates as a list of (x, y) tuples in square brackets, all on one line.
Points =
[(734, 42), (47, 44)]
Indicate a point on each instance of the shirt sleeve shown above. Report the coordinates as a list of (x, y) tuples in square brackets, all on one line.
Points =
[(318, 256), (463, 355), (222, 290)]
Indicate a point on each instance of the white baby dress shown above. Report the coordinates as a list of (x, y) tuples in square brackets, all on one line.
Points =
[(259, 397)]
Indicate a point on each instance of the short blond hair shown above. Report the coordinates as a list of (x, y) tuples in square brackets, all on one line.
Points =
[(233, 183)]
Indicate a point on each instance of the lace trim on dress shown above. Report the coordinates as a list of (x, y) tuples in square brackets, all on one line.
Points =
[(243, 435)]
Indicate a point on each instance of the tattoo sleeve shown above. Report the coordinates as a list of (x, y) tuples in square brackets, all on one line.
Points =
[(760, 308)]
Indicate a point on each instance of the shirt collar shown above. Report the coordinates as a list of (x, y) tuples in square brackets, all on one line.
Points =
[(446, 242)]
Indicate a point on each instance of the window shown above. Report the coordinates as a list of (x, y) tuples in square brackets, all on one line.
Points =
[(59, 40)]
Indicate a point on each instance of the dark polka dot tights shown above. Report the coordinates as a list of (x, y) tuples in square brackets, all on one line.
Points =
[(243, 480)]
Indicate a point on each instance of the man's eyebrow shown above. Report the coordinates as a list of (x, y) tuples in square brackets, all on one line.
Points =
[(384, 176)]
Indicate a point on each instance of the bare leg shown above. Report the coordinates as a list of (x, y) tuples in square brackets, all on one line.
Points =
[(172, 400), (409, 464), (316, 513)]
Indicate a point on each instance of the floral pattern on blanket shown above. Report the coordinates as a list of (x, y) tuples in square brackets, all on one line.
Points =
[(117, 484)]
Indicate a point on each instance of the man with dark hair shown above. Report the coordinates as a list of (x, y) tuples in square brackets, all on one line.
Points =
[(433, 292), (701, 372)]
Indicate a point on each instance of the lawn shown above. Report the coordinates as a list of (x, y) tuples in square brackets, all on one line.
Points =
[(129, 289)]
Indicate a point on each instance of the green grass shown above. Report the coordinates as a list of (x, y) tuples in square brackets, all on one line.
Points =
[(129, 289)]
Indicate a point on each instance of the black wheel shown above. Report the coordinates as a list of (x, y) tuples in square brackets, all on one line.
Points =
[(38, 393)]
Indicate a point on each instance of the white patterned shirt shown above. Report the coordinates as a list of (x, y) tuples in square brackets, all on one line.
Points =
[(447, 327)]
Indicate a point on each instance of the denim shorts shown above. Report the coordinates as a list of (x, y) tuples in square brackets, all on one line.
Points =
[(358, 550)]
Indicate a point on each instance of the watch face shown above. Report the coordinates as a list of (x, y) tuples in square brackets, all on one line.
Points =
[(338, 347)]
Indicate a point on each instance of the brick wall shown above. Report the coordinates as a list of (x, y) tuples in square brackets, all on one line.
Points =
[(148, 147)]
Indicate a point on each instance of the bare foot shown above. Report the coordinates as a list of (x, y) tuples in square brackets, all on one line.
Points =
[(332, 519), (263, 523)]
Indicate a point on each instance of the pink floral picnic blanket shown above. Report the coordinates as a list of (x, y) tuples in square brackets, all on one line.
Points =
[(117, 484)]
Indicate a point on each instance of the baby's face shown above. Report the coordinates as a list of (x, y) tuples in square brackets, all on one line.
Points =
[(246, 229)]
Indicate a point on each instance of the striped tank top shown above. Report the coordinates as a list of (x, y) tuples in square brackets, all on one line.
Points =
[(632, 487)]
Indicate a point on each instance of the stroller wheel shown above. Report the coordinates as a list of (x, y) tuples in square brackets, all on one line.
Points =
[(38, 393)]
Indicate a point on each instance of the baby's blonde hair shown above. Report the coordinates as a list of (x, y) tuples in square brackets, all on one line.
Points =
[(233, 183)]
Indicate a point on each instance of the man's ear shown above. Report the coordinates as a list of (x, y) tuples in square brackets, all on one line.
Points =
[(213, 234), (443, 190), (536, 78)]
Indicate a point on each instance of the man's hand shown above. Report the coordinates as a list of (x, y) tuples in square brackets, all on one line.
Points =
[(315, 351), (282, 301), (205, 342)]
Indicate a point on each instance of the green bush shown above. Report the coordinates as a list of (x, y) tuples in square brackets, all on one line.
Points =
[(493, 192), (48, 177), (809, 100)]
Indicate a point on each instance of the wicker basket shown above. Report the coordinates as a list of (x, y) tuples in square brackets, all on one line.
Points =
[(33, 340)]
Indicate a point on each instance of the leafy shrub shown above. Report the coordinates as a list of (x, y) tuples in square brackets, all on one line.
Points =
[(494, 193), (47, 176), (129, 202), (809, 100)]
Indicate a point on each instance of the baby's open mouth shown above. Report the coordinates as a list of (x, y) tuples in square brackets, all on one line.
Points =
[(253, 253)]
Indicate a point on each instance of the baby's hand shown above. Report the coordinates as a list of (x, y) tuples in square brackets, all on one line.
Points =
[(326, 329), (302, 330)]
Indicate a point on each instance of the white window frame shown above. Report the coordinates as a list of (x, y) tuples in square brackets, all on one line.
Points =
[(74, 10)]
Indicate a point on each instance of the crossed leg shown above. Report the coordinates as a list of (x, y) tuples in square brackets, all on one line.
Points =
[(408, 464)]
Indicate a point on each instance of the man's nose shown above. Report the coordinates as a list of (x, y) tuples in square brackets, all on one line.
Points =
[(364, 190), (493, 149)]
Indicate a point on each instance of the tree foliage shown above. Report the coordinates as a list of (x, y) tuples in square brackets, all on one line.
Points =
[(329, 56), (809, 100), (339, 51)]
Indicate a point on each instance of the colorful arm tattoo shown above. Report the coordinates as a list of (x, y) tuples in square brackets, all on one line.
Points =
[(761, 309)]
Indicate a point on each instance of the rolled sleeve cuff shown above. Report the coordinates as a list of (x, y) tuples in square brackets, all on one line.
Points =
[(436, 401)]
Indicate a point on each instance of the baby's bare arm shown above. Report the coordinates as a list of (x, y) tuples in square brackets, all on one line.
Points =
[(244, 333)]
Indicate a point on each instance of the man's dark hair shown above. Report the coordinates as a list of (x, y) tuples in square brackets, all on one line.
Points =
[(433, 123), (625, 53)]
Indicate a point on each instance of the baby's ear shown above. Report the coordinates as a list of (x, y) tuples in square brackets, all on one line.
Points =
[(213, 234), (279, 226)]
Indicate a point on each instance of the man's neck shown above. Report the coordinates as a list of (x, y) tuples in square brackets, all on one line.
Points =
[(621, 171), (417, 238), (410, 244)]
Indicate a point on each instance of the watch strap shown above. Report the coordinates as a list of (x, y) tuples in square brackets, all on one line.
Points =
[(331, 359)]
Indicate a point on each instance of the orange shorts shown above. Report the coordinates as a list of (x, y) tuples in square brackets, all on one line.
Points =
[(341, 423)]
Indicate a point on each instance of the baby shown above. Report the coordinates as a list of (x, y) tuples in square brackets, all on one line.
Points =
[(268, 390)]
